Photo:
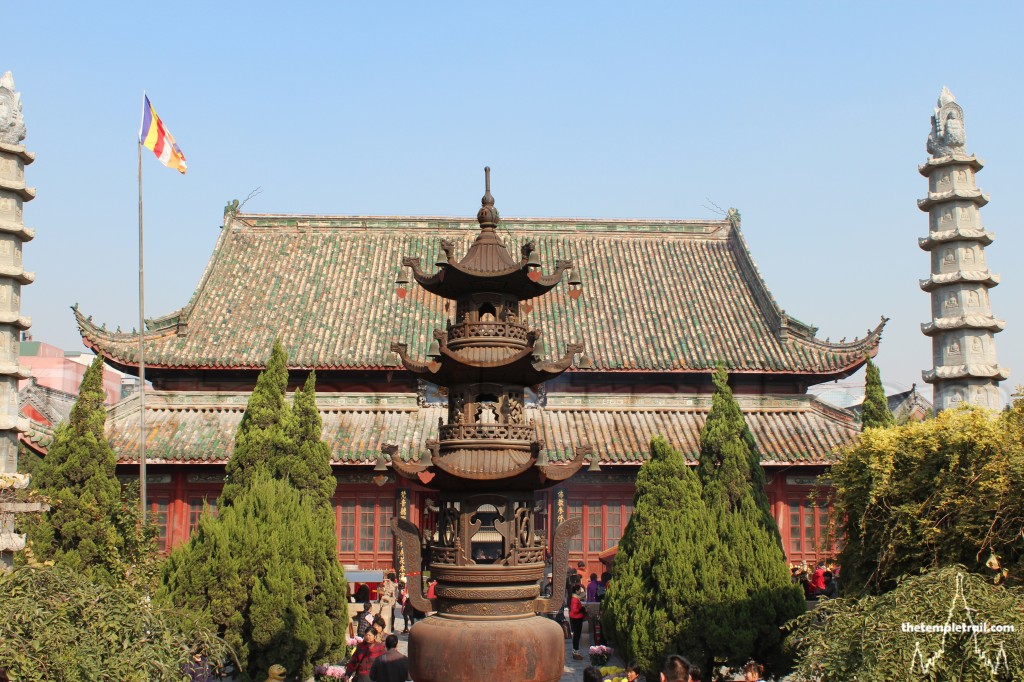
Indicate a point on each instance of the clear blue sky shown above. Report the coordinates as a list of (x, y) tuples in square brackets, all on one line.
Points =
[(810, 118)]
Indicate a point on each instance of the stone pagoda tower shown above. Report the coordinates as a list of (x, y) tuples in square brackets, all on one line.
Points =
[(13, 194), (964, 364), (485, 466)]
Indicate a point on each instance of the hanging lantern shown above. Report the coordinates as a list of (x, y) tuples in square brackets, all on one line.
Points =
[(575, 285), (402, 282)]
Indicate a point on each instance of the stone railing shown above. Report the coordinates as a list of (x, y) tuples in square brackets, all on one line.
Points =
[(488, 431), (487, 330)]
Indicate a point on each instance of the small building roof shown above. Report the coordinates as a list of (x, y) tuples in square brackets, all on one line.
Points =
[(199, 427), (907, 405), (659, 295)]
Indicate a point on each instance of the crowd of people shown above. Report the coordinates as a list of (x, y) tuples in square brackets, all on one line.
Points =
[(376, 657), (675, 669), (820, 582), (576, 595)]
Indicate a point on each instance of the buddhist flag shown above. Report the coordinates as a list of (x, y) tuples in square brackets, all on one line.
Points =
[(153, 135)]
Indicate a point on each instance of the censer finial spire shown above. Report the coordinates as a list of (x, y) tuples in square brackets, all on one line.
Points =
[(487, 216)]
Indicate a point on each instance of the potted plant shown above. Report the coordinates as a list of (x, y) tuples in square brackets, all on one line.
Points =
[(600, 654)]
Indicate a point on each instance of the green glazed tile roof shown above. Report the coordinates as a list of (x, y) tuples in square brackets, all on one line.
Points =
[(657, 296), (200, 426)]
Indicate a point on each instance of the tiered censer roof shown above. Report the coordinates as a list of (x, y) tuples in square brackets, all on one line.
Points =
[(486, 465)]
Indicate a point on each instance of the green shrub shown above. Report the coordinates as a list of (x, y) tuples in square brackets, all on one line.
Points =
[(60, 625)]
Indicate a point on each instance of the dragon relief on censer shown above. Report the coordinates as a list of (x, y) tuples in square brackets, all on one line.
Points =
[(485, 465)]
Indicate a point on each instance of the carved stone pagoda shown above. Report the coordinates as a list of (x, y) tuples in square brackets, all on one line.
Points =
[(485, 466), (965, 368), (13, 233)]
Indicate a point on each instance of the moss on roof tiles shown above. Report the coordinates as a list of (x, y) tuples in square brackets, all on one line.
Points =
[(658, 296), (806, 431)]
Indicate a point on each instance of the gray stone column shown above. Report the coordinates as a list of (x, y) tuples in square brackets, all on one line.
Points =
[(13, 234), (964, 364)]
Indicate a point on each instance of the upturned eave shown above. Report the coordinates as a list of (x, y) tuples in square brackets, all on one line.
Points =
[(931, 165), (972, 371), (944, 324), (960, 234), (983, 277), (975, 196)]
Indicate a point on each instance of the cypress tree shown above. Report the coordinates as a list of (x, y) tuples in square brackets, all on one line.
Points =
[(91, 526), (310, 469), (664, 568), (875, 410), (266, 569), (755, 591), (267, 572), (266, 435), (729, 463)]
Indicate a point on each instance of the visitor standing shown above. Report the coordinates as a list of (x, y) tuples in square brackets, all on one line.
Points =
[(379, 628), (362, 594), (408, 613), (632, 672), (367, 651), (818, 579), (386, 597), (753, 672), (400, 599), (592, 588), (592, 674), (577, 615), (831, 586), (364, 619), (571, 575), (676, 669), (198, 668), (392, 666)]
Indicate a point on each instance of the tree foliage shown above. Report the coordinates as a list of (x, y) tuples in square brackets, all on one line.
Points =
[(664, 565), (310, 468), (281, 439), (863, 639), (92, 525), (700, 569), (930, 494), (59, 625), (875, 409), (266, 435), (266, 571), (729, 464), (755, 595)]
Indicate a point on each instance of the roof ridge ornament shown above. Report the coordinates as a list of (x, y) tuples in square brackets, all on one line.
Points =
[(487, 216), (12, 122), (948, 136)]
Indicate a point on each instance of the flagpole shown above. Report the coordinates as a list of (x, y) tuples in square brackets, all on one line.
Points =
[(142, 359)]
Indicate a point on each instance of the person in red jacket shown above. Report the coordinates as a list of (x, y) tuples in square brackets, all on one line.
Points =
[(358, 668), (818, 579), (577, 615)]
